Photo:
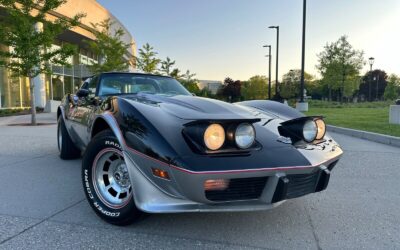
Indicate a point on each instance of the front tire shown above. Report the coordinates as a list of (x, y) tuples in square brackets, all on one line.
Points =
[(66, 146), (106, 181)]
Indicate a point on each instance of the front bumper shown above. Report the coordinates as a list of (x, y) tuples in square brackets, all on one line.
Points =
[(185, 191)]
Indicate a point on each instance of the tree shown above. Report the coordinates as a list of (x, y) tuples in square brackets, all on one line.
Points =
[(176, 73), (392, 90), (32, 51), (190, 82), (109, 47), (147, 60), (166, 66), (290, 85), (231, 90), (340, 65), (256, 88), (315, 89), (191, 86), (373, 85), (188, 76)]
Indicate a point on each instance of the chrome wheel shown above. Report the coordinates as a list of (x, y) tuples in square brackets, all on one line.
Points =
[(111, 179)]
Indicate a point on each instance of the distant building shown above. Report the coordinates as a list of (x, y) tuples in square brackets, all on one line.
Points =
[(212, 86), (14, 91)]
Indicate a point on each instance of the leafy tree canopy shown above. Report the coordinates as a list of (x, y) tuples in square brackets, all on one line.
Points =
[(231, 90), (373, 85), (190, 82), (166, 66), (290, 85), (340, 64), (30, 50), (147, 60), (392, 90), (109, 47), (256, 88)]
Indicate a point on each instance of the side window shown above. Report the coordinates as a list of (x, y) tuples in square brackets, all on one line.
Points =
[(92, 86)]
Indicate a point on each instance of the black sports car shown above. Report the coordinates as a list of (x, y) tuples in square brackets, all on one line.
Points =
[(150, 145)]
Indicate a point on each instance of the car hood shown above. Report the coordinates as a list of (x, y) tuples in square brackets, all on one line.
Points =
[(197, 108)]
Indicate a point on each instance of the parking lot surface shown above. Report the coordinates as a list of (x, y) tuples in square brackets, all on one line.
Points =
[(43, 205)]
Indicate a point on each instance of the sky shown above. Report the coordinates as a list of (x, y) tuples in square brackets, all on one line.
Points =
[(223, 38)]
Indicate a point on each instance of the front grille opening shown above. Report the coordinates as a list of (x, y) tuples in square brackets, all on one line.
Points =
[(239, 189), (301, 184)]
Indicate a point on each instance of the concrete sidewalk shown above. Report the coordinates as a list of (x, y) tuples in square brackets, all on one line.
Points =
[(18, 119)]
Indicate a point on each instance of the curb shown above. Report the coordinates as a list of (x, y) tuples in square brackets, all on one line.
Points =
[(370, 136)]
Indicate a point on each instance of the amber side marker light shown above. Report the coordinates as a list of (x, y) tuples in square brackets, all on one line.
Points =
[(160, 173), (215, 185)]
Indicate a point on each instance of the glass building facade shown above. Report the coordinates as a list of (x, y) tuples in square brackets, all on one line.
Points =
[(14, 90)]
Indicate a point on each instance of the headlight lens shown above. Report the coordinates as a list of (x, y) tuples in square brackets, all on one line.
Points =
[(214, 136), (321, 128), (245, 135), (310, 131)]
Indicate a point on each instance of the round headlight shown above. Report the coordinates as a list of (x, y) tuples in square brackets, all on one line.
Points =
[(321, 128), (245, 135), (214, 136), (310, 131)]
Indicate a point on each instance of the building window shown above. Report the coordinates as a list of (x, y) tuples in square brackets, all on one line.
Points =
[(57, 87)]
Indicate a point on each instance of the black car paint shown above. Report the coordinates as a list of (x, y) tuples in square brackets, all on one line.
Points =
[(152, 125)]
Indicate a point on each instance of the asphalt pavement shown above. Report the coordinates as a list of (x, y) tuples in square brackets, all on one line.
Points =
[(42, 205)]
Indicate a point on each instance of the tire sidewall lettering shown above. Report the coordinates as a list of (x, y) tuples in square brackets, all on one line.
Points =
[(90, 192), (124, 215), (95, 203), (112, 143)]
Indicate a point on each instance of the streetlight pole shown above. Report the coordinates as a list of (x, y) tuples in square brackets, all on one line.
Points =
[(303, 53), (277, 59), (269, 70), (301, 105), (371, 62)]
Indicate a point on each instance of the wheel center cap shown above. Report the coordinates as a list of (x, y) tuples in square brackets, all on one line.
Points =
[(121, 176)]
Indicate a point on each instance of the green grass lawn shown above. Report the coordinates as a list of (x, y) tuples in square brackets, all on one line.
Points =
[(373, 119)]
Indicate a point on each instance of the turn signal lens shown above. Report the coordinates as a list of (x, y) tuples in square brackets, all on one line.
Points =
[(214, 137), (219, 184), (321, 129), (160, 173)]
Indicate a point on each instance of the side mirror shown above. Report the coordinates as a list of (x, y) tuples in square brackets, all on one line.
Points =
[(73, 99), (82, 93)]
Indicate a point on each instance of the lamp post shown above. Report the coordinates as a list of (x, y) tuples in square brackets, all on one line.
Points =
[(269, 70), (371, 61), (303, 53), (277, 59), (377, 86), (301, 105)]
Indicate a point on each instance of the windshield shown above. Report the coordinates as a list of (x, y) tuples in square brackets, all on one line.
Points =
[(117, 84)]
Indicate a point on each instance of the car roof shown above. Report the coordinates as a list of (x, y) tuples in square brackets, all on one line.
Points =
[(131, 73)]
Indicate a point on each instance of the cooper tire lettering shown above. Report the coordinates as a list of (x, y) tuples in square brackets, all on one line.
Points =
[(127, 212)]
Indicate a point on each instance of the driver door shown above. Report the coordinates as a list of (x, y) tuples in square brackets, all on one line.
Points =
[(83, 112)]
